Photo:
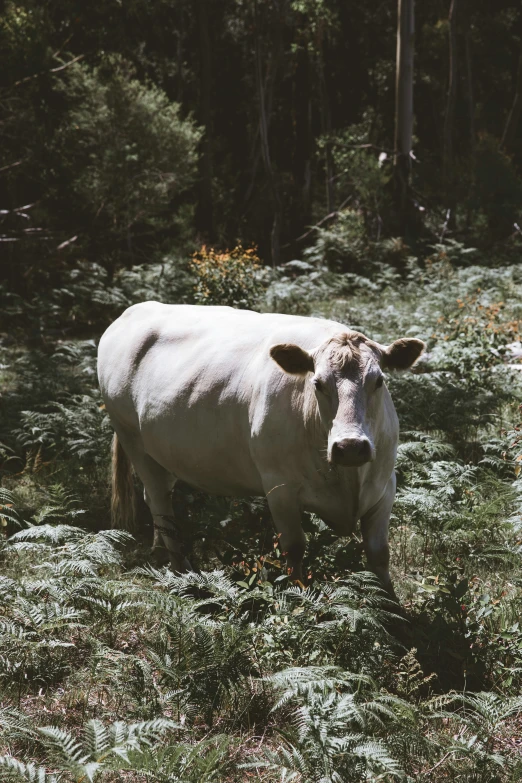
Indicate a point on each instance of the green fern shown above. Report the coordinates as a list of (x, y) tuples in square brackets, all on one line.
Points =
[(15, 770), (206, 761), (8, 513), (102, 749), (71, 550)]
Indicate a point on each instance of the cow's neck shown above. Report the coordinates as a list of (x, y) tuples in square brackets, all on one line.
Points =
[(316, 433)]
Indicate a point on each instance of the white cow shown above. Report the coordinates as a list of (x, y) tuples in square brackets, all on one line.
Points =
[(240, 403)]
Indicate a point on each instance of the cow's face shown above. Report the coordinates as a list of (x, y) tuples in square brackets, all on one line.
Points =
[(346, 373)]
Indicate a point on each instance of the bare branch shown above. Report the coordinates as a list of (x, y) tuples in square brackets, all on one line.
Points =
[(11, 165), (66, 65), (62, 47), (67, 242), (52, 70)]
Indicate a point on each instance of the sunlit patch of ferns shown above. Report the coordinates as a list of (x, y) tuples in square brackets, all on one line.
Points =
[(338, 728), (102, 749), (66, 550)]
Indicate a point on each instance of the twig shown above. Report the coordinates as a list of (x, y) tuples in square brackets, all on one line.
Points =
[(11, 165), (52, 70), (67, 242), (66, 65), (60, 50), (277, 486), (442, 760), (445, 225), (18, 210), (25, 207)]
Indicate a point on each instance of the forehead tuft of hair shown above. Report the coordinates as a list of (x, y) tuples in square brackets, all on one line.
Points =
[(344, 350)]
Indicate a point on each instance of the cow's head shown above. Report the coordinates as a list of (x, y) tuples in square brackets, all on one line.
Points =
[(347, 377)]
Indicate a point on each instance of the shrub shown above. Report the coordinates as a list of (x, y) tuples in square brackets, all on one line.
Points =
[(230, 278), (126, 150), (363, 173), (497, 188)]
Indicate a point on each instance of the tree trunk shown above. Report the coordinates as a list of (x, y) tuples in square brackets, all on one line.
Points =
[(179, 57), (471, 117), (303, 141), (307, 179), (471, 99), (256, 154), (265, 147), (449, 120), (326, 125), (404, 113), (510, 130), (204, 212)]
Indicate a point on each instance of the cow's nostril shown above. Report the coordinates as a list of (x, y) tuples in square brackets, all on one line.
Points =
[(353, 444), (352, 451)]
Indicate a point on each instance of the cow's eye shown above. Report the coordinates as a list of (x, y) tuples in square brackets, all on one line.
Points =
[(379, 382), (318, 386)]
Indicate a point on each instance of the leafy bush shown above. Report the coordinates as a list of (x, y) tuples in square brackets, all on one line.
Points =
[(125, 149), (230, 278), (497, 187), (363, 173), (343, 245)]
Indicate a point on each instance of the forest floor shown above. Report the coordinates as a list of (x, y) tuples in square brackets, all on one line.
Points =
[(112, 668)]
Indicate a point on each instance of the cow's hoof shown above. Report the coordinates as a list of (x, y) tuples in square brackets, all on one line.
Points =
[(392, 595), (187, 566), (160, 556), (179, 564)]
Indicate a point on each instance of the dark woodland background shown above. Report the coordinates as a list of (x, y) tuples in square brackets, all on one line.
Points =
[(129, 129)]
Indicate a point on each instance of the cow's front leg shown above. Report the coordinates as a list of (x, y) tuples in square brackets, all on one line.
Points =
[(374, 528), (286, 514)]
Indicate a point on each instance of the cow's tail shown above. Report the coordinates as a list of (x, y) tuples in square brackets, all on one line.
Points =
[(123, 506)]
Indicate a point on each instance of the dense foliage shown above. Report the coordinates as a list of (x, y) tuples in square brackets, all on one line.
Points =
[(109, 662), (229, 278), (288, 104)]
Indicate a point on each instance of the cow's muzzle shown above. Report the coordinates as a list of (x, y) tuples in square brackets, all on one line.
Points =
[(352, 452)]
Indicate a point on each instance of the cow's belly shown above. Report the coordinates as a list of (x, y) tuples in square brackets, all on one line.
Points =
[(207, 449), (217, 478)]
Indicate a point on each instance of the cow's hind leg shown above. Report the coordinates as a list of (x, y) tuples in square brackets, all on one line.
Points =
[(287, 517), (158, 484), (374, 528)]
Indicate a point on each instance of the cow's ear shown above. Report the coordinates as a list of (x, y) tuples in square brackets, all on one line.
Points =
[(292, 358), (402, 353)]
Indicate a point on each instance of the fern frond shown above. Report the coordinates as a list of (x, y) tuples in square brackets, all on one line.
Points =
[(8, 512), (16, 770)]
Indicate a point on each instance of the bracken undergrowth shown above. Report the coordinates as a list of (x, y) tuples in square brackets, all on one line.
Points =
[(113, 668)]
